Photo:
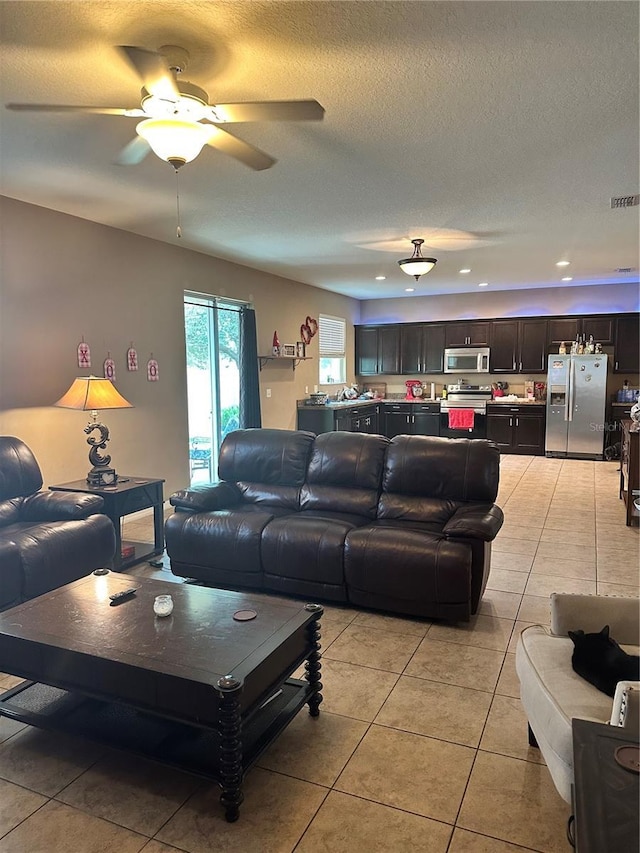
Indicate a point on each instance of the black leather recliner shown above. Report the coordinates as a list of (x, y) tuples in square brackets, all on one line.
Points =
[(404, 525), (47, 539)]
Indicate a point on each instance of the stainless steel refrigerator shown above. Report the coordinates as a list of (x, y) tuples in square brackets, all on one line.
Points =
[(576, 402)]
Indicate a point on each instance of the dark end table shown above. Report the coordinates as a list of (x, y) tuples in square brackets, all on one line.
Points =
[(131, 494), (605, 794)]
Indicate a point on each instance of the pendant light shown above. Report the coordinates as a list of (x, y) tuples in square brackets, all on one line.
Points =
[(416, 265)]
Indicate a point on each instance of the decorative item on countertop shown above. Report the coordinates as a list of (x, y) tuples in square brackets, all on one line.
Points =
[(132, 358), (275, 347), (350, 392), (540, 391), (562, 349), (317, 399), (163, 605), (152, 370), (109, 368), (635, 418), (84, 354)]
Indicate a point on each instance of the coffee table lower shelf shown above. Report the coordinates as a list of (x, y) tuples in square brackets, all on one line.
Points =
[(186, 746)]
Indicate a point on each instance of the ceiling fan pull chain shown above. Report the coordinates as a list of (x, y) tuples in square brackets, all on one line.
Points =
[(178, 228)]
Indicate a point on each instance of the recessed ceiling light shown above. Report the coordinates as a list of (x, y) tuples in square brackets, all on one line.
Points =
[(484, 284), (568, 278), (409, 289), (381, 278), (563, 263), (464, 271)]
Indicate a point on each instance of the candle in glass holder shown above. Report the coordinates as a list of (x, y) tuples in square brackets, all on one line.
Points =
[(163, 605)]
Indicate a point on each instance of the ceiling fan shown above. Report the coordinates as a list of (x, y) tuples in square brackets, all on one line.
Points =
[(177, 118)]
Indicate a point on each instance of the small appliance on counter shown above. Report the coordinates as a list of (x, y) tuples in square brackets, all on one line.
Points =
[(415, 391)]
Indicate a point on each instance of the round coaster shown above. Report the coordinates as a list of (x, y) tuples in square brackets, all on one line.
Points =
[(244, 615), (101, 572), (628, 757)]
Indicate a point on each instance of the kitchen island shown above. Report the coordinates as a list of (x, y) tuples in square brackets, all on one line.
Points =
[(516, 424)]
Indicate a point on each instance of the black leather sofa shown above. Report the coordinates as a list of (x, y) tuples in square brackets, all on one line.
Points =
[(47, 539), (403, 526)]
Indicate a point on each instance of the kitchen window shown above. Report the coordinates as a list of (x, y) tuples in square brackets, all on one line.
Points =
[(332, 332)]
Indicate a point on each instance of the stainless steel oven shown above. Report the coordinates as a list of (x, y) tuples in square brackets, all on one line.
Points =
[(464, 413), (466, 360)]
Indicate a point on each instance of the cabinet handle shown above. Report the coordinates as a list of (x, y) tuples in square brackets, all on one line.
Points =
[(514, 365), (517, 421), (520, 367), (413, 419), (616, 365), (510, 422)]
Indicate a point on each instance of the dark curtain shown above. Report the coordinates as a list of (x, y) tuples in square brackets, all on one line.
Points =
[(249, 384)]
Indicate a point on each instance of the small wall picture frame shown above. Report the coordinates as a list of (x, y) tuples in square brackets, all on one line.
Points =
[(152, 370), (288, 350), (84, 354), (132, 358), (300, 349)]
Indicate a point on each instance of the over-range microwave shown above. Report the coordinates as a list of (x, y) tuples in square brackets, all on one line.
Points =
[(466, 360)]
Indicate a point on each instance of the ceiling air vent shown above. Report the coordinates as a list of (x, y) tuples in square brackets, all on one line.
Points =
[(625, 201)]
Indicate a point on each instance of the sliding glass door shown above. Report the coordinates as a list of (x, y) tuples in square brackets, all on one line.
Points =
[(212, 332)]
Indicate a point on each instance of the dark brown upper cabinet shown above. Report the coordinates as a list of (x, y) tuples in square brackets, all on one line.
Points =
[(519, 346), (422, 348), (470, 333), (602, 329), (562, 330), (626, 357), (566, 329), (377, 350)]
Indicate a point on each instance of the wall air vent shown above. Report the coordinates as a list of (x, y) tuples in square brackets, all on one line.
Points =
[(624, 201), (625, 269)]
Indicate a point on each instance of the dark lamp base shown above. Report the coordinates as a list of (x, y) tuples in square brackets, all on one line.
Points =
[(102, 477)]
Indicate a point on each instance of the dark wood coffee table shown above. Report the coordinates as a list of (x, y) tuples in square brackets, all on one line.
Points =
[(197, 689)]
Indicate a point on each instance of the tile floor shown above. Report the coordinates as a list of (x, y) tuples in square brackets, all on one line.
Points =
[(421, 744)]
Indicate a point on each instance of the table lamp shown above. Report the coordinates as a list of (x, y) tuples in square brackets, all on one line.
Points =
[(89, 394)]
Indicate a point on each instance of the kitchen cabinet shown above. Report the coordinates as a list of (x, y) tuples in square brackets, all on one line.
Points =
[(601, 327), (629, 468), (566, 329), (517, 429), (626, 357), (422, 348), (377, 350), (519, 346), (411, 419), (320, 419), (472, 332), (562, 330)]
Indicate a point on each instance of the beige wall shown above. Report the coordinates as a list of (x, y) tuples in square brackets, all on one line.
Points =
[(62, 278), (529, 302)]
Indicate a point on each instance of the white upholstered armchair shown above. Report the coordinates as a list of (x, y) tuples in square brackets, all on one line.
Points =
[(553, 694)]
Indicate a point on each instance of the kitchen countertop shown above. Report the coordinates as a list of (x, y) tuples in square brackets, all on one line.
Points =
[(519, 401), (500, 401)]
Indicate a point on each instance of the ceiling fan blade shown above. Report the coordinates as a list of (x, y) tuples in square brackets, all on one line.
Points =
[(153, 70), (133, 152), (224, 141), (65, 108), (268, 111)]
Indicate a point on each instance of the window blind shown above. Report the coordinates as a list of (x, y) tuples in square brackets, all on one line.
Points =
[(332, 331)]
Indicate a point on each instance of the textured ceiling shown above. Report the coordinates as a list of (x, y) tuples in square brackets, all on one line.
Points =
[(512, 122)]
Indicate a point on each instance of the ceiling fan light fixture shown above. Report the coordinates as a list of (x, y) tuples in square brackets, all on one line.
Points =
[(417, 265), (174, 140)]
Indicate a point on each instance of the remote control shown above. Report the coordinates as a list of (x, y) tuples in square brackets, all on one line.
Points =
[(119, 597)]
